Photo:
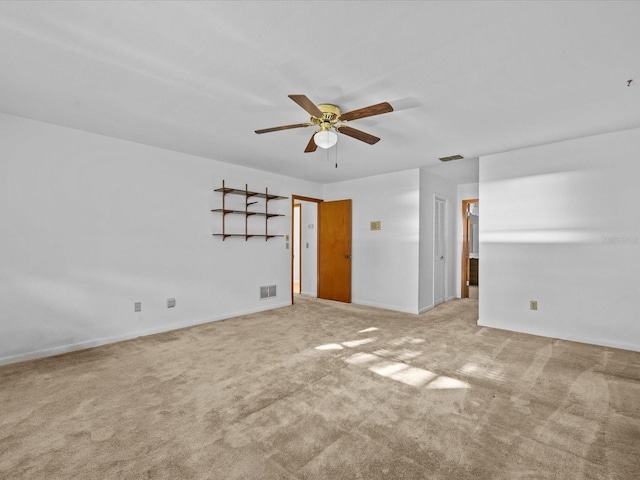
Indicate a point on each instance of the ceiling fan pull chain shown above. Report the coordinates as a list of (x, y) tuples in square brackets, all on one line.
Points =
[(336, 155)]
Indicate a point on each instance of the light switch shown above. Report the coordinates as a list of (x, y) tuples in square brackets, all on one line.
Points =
[(377, 225)]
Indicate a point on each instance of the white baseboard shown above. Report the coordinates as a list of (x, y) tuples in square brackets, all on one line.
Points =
[(426, 309), (563, 336), (97, 342), (395, 308)]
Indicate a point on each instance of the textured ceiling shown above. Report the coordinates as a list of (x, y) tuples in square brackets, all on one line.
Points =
[(470, 78)]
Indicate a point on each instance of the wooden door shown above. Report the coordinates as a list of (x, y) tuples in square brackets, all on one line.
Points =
[(334, 250)]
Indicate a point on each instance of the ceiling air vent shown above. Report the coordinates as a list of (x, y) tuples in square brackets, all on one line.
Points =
[(452, 157)]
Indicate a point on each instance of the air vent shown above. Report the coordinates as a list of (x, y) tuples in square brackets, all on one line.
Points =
[(452, 157), (268, 291)]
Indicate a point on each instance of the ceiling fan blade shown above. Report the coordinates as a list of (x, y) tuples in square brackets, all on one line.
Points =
[(311, 146), (284, 127), (370, 111), (307, 104), (358, 134)]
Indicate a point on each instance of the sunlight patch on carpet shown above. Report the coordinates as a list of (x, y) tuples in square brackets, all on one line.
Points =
[(391, 363), (398, 355), (361, 357), (357, 343), (330, 346), (406, 341), (370, 329), (445, 383), (481, 370)]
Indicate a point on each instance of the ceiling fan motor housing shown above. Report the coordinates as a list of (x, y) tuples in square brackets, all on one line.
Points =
[(330, 116)]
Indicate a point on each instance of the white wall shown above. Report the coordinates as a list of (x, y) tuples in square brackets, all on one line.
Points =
[(92, 224), (431, 186), (467, 191), (559, 225), (384, 262)]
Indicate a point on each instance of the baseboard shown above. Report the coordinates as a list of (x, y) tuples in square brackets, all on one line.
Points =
[(97, 342), (395, 308), (570, 338), (426, 309)]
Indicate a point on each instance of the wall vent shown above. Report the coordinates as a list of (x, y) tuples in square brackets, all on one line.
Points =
[(452, 157), (268, 291)]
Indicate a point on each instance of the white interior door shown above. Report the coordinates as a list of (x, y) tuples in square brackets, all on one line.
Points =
[(439, 251)]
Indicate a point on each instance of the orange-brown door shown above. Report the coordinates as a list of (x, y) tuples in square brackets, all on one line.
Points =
[(334, 250)]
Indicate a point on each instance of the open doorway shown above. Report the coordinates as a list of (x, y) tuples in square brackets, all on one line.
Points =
[(297, 240), (470, 249), (304, 246)]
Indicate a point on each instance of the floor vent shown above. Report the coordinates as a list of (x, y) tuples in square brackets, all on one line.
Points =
[(268, 291), (452, 157)]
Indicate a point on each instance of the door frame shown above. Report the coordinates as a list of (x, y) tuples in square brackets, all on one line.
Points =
[(296, 244), (464, 274), (299, 198)]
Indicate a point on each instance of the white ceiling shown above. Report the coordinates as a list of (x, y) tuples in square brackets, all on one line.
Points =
[(470, 78)]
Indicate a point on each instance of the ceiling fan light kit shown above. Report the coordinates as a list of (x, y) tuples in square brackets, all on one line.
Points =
[(329, 120), (325, 138)]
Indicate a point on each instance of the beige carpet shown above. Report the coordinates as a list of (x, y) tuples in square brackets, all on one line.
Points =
[(387, 395)]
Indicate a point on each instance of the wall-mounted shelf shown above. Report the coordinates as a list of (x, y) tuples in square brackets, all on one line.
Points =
[(247, 194)]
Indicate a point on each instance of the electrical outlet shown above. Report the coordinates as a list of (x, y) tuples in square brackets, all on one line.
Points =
[(171, 302), (137, 307), (533, 305)]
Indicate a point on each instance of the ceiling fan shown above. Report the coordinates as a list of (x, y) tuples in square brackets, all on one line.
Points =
[(329, 119)]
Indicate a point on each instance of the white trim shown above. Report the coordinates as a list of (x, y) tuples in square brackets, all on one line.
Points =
[(394, 308), (426, 309), (566, 337), (97, 342)]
